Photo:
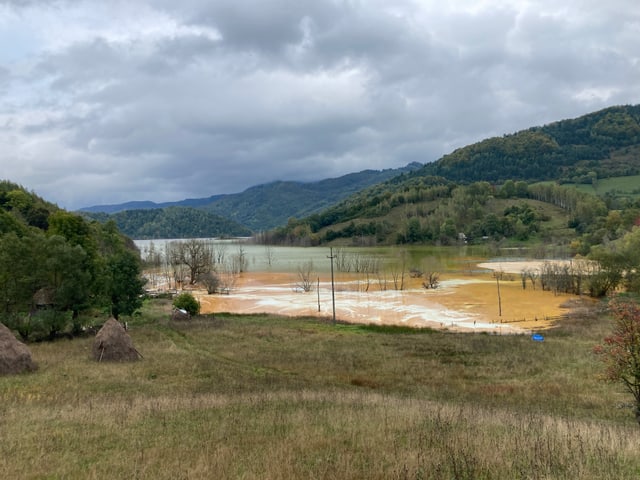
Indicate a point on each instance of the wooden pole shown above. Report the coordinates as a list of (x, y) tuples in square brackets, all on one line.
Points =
[(333, 290), (499, 299)]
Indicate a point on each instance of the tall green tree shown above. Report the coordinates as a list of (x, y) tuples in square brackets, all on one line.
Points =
[(124, 282), (66, 275)]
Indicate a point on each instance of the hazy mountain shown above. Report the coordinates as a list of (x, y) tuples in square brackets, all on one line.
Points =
[(269, 205), (149, 205)]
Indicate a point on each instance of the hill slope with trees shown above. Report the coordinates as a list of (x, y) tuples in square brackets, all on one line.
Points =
[(260, 207), (490, 191), (172, 222), (56, 267), (598, 145), (267, 206)]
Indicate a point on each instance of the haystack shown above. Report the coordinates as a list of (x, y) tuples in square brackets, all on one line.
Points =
[(15, 357), (113, 343)]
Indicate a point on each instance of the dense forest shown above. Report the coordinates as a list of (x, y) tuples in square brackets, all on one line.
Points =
[(267, 206), (58, 270), (172, 222), (492, 190), (258, 208), (598, 145)]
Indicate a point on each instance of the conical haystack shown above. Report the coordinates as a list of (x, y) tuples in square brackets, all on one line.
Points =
[(15, 357), (113, 343)]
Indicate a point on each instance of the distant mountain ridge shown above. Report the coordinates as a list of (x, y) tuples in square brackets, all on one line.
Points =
[(269, 205), (149, 205)]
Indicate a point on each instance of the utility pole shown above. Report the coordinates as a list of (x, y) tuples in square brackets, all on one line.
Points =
[(498, 275), (333, 290)]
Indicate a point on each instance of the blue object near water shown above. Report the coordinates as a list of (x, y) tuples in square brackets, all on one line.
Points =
[(536, 337)]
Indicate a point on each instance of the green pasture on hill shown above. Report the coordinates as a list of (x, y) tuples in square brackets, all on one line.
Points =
[(270, 397), (618, 186)]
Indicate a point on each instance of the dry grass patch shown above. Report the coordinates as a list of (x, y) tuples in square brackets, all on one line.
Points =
[(271, 397)]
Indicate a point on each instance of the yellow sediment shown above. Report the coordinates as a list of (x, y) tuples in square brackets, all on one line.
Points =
[(526, 309)]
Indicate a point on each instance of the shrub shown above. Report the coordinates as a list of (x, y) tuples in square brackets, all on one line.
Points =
[(188, 302)]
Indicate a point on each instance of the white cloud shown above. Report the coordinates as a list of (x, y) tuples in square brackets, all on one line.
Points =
[(109, 102)]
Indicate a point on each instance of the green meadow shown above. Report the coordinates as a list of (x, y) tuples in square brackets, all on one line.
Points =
[(620, 186), (268, 397)]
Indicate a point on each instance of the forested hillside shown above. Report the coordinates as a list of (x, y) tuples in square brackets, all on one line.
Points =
[(598, 145), (487, 191), (56, 268), (148, 205), (435, 211), (172, 222), (258, 208), (267, 206)]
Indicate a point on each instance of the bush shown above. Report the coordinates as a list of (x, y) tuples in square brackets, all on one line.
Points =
[(188, 302)]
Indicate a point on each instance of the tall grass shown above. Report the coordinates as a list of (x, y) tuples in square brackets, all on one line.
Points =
[(269, 397)]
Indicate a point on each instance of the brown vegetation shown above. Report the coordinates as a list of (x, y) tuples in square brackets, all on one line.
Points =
[(113, 343), (15, 357), (273, 398)]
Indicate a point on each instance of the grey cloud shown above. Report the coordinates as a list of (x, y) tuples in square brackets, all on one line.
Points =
[(269, 26), (304, 90)]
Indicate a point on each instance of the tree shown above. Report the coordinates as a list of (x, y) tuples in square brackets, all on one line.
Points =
[(305, 276), (65, 275), (18, 274), (196, 254), (186, 301), (211, 281), (621, 351), (124, 283)]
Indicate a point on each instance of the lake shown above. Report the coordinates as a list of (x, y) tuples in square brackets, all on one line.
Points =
[(367, 283)]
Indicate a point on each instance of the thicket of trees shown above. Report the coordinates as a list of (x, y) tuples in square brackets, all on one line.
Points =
[(561, 150), (55, 266), (172, 222), (181, 263), (432, 210)]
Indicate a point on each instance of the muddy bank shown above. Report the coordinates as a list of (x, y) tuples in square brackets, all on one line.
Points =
[(461, 302)]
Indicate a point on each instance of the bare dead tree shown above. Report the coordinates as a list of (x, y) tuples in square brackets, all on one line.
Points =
[(305, 276), (219, 253), (269, 254), (228, 276), (431, 280), (240, 261), (211, 281), (197, 254)]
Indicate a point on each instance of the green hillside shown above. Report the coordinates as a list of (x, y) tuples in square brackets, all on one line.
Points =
[(172, 222), (57, 268), (258, 208), (604, 143), (486, 191), (435, 211), (270, 205), (614, 187)]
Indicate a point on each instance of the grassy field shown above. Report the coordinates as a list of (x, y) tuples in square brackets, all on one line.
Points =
[(622, 186), (264, 397)]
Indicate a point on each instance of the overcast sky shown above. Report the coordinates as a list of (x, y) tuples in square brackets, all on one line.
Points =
[(110, 101)]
